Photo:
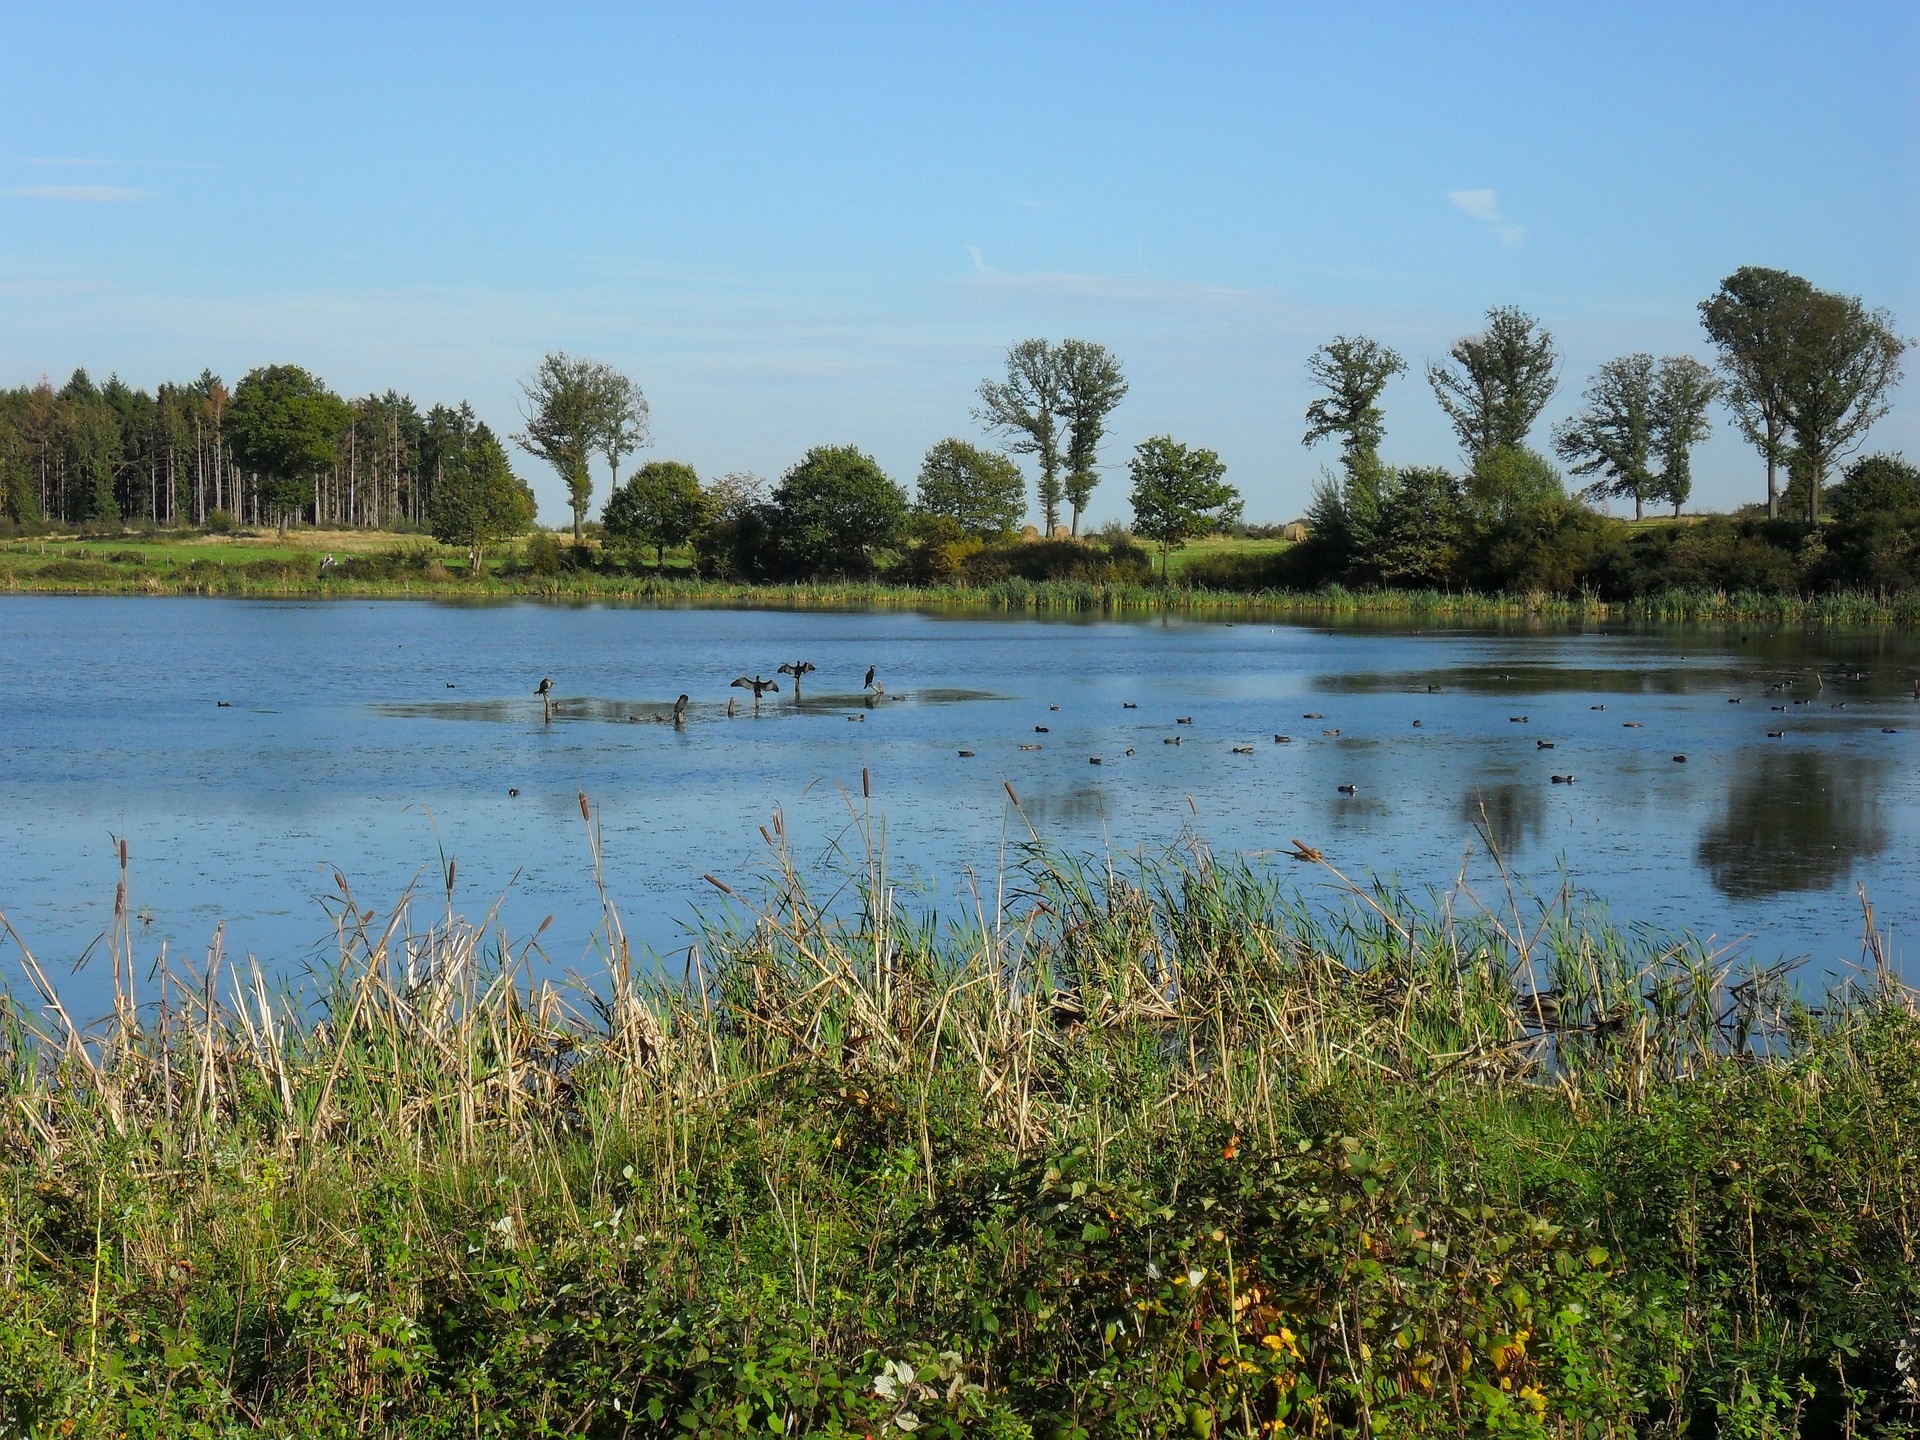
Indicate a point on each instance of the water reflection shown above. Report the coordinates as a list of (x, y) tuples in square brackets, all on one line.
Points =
[(1795, 820), (1515, 811)]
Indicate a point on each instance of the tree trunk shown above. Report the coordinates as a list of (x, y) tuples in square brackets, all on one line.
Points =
[(1773, 471), (1636, 506)]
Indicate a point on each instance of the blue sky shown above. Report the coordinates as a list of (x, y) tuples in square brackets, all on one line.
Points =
[(804, 224)]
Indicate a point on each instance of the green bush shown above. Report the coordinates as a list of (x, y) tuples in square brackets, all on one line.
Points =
[(1117, 562)]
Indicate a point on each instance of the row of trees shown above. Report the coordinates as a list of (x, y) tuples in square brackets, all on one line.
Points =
[(1053, 403), (1805, 372), (837, 512), (279, 446)]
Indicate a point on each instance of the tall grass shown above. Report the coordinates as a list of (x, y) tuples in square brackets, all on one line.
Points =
[(1119, 1147), (418, 571)]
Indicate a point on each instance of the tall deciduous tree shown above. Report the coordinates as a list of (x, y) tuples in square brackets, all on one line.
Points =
[(477, 499), (1353, 370), (983, 494), (661, 504), (1091, 386), (1842, 362), (564, 411), (1498, 381), (285, 425), (1179, 493), (1027, 408), (1750, 320), (1613, 436), (625, 419), (1683, 390), (835, 511)]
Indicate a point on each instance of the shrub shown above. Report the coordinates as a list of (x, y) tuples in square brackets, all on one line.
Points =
[(1121, 562), (221, 522), (541, 555)]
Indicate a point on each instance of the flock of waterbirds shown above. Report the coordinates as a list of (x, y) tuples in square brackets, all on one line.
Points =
[(872, 691)]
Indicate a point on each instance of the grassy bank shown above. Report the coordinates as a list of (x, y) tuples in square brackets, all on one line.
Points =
[(1150, 1151), (263, 566)]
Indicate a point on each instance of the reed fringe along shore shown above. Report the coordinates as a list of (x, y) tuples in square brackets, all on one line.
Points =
[(420, 575), (1123, 1147)]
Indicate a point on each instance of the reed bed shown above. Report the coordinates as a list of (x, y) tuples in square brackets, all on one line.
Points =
[(1119, 1146), (131, 573)]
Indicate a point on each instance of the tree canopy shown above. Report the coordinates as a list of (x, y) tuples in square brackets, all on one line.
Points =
[(1613, 436), (661, 504), (1352, 371), (1842, 362), (1179, 493), (286, 425), (983, 494), (574, 409), (1509, 482), (1091, 387), (1876, 485), (1026, 408), (835, 511), (1498, 381), (1750, 320), (479, 500)]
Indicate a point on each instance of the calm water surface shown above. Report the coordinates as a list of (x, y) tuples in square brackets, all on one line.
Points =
[(371, 737)]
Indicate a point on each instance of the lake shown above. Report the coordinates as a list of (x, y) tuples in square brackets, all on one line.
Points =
[(372, 737)]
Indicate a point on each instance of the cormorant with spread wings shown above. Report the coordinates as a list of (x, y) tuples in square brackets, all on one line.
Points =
[(756, 685)]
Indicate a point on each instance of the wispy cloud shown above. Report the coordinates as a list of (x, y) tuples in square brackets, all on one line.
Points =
[(82, 194), (1091, 285), (1484, 206), (1027, 202), (980, 266)]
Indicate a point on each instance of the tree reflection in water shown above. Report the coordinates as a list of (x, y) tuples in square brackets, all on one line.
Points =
[(1515, 810), (1795, 820)]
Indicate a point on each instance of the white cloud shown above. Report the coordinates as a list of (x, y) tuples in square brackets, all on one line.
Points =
[(1484, 206), (980, 266), (84, 194)]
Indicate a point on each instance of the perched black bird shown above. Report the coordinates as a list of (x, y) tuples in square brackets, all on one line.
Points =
[(798, 669), (544, 689), (680, 711), (756, 685), (869, 684)]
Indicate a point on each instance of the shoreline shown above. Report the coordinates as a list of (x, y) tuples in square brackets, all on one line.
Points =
[(267, 579)]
